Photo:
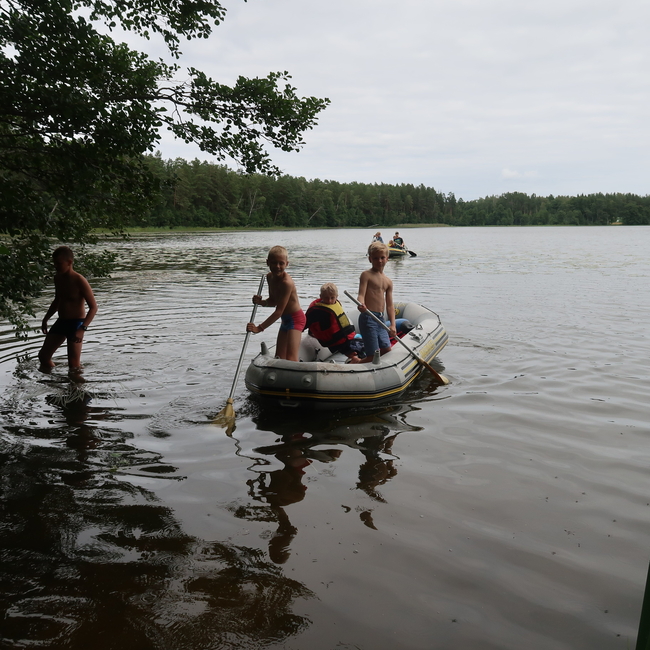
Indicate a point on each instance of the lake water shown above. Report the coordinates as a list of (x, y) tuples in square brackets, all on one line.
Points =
[(506, 510)]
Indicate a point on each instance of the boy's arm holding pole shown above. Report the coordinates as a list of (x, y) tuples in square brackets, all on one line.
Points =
[(278, 299), (361, 295)]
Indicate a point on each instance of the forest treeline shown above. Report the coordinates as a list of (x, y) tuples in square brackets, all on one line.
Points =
[(201, 194)]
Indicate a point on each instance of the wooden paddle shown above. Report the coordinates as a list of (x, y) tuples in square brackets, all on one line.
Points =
[(226, 417), (441, 378)]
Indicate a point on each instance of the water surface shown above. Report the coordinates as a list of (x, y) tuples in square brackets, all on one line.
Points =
[(508, 509)]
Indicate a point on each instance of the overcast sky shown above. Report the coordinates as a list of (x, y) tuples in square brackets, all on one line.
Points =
[(474, 97)]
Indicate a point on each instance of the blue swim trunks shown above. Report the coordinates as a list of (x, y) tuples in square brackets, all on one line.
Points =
[(295, 321), (66, 327), (374, 336)]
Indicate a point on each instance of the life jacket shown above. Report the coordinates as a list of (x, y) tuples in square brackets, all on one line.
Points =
[(329, 324)]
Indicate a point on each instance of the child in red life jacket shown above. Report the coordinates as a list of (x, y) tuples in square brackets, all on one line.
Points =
[(328, 324)]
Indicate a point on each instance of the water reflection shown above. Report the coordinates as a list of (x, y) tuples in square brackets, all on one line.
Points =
[(74, 403), (90, 559), (507, 524), (304, 441), (278, 488)]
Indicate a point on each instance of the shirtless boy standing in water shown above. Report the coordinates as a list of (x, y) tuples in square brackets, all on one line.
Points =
[(71, 291), (375, 295), (282, 296)]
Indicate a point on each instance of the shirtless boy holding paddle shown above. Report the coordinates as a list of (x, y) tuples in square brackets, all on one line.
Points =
[(375, 294), (282, 296), (71, 295)]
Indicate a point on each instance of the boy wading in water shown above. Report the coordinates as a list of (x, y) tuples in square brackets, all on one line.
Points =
[(375, 295), (282, 296), (71, 291)]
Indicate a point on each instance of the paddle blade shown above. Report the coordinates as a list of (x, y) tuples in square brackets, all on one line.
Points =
[(441, 378), (226, 418)]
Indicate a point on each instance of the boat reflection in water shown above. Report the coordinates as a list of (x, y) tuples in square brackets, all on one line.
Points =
[(304, 441)]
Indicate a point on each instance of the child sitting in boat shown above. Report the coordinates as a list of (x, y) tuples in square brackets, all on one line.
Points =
[(329, 325), (282, 296)]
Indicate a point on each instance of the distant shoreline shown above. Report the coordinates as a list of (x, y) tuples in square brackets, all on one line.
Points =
[(400, 226), (197, 229)]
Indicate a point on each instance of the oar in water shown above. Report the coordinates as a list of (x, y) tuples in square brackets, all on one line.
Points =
[(226, 417), (441, 378)]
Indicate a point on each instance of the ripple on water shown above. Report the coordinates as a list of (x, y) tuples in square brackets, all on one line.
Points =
[(506, 510)]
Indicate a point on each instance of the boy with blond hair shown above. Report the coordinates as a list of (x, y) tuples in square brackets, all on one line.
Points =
[(71, 295), (282, 296), (376, 295)]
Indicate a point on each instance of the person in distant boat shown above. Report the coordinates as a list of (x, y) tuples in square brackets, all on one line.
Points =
[(377, 237), (284, 297), (376, 295), (329, 325), (71, 295), (398, 242)]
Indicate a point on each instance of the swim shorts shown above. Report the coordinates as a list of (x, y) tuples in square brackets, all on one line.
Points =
[(67, 327), (374, 336), (295, 321)]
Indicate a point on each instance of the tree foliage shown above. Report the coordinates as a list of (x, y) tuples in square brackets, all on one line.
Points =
[(78, 111), (202, 194)]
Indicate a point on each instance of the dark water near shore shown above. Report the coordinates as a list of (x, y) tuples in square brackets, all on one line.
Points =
[(507, 510)]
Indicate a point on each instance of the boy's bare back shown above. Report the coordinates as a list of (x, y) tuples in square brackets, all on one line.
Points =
[(72, 292)]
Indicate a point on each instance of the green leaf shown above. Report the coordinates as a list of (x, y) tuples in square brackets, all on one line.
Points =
[(78, 113)]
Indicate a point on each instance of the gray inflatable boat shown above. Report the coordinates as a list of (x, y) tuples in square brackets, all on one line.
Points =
[(323, 380)]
